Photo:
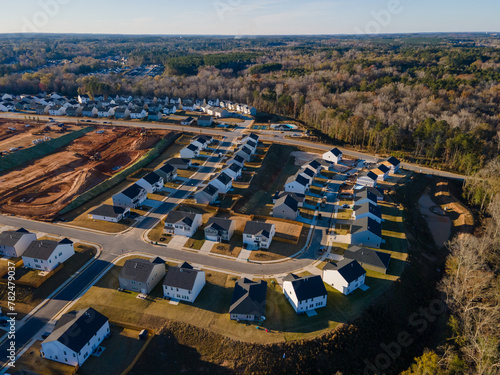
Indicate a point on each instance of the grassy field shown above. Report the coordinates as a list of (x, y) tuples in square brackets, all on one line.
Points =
[(27, 298)]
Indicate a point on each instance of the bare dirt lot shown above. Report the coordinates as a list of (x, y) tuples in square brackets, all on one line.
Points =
[(42, 188), (23, 136)]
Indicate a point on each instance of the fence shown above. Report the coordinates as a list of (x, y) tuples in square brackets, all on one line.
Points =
[(121, 176), (40, 150)]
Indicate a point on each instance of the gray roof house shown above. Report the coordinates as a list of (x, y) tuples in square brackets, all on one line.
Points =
[(367, 209), (238, 160), (222, 182), (180, 163), (258, 234), (346, 276), (182, 223), (14, 243), (299, 198), (219, 229), (105, 212), (141, 275), (183, 283), (168, 172), (46, 255), (131, 197), (207, 195), (377, 261), (152, 182), (366, 232), (286, 207), (249, 300)]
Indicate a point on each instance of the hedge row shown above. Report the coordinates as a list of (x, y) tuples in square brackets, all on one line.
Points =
[(40, 150), (119, 177)]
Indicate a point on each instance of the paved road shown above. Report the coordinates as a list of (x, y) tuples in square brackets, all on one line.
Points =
[(265, 135)]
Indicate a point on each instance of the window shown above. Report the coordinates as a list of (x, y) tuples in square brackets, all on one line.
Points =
[(64, 353), (36, 260)]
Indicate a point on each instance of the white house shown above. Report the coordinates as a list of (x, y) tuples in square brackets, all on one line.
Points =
[(234, 171), (141, 275), (220, 113), (168, 172), (249, 300), (170, 109), (190, 152), (258, 235), (131, 197), (113, 214), (207, 195), (188, 121), (76, 336), (245, 152), (334, 155), (393, 164), (219, 229), (250, 137), (346, 276), (305, 293), (57, 110), (138, 114), (367, 209), (286, 207), (314, 165), (152, 182), (363, 196), (382, 172), (105, 112), (238, 160), (183, 283), (200, 142), (182, 223), (299, 198), (297, 184), (367, 179), (366, 232), (122, 113), (14, 243), (45, 255), (222, 182), (308, 174)]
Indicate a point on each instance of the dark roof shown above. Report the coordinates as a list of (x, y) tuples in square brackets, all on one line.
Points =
[(302, 180), (239, 159), (179, 161), (258, 228), (376, 192), (252, 143), (246, 150), (22, 230), (314, 164), (211, 190), (205, 118), (76, 328), (132, 191), (393, 161), (365, 194), (175, 217), (383, 168), (137, 269), (249, 297), (192, 147), (349, 269), (253, 136), (41, 249), (200, 139), (65, 241), (368, 207), (151, 178), (224, 178), (297, 196), (219, 224), (335, 151), (289, 201), (368, 256), (10, 238), (369, 174), (168, 168), (309, 172), (182, 277), (235, 168), (365, 224), (307, 287)]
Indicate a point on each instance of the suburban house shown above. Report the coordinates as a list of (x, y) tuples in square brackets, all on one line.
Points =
[(382, 172), (152, 182), (257, 235), (105, 112), (367, 179), (155, 115), (249, 300), (188, 121), (297, 184), (334, 155), (222, 182), (245, 153), (46, 255), (234, 171), (14, 243), (393, 164), (200, 142), (346, 276), (122, 113), (305, 293), (219, 229), (367, 209), (205, 121), (180, 163), (113, 214), (300, 198), (286, 207), (190, 152), (220, 113), (168, 172), (73, 111), (238, 160), (183, 283), (138, 114), (89, 111), (57, 110), (182, 223), (141, 275), (250, 137), (131, 197), (365, 195), (366, 232), (207, 195), (252, 145), (377, 261), (170, 109), (314, 165), (308, 174), (76, 336), (376, 192)]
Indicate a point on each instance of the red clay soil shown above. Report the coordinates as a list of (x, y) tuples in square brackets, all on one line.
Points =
[(41, 189)]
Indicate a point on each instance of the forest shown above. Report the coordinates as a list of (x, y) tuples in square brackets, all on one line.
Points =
[(430, 99)]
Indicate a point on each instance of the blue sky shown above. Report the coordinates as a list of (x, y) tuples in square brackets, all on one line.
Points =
[(249, 17)]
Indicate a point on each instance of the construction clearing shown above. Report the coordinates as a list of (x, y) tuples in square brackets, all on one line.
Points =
[(41, 188)]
